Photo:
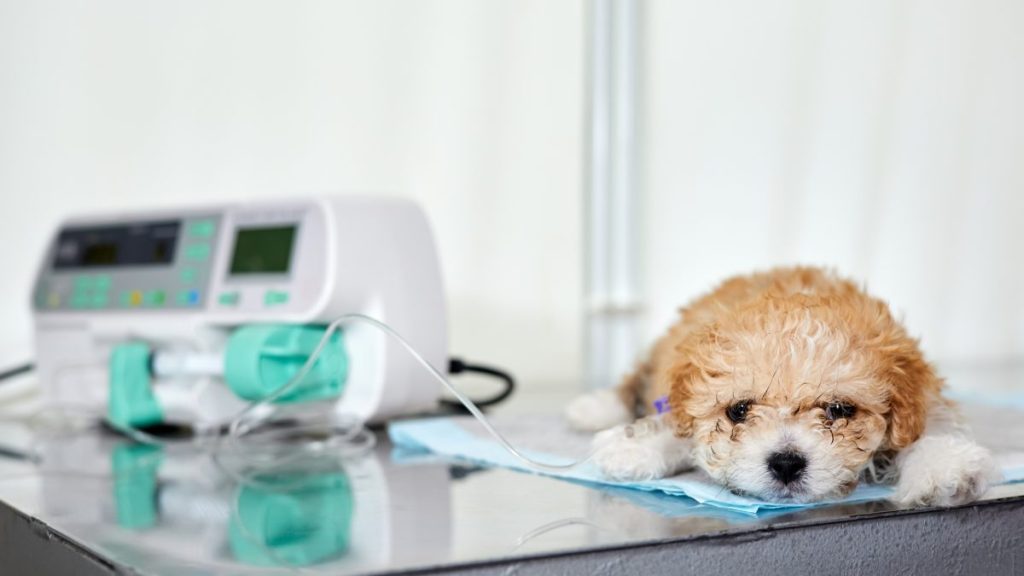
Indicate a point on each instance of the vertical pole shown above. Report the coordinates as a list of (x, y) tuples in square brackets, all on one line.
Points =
[(613, 298)]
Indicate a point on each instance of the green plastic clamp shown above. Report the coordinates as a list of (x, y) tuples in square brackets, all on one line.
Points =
[(131, 402), (135, 468), (262, 358), (292, 519)]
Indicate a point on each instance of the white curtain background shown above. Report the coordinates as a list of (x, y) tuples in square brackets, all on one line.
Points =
[(885, 138), (474, 108)]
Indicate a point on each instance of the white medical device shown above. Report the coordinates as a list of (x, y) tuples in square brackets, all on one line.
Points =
[(186, 282)]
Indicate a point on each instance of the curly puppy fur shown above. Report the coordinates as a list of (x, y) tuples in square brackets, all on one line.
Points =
[(790, 384)]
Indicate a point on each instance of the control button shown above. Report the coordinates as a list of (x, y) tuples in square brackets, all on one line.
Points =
[(188, 297), (197, 252), (228, 299), (201, 228), (154, 298), (53, 300), (132, 298), (99, 300), (85, 283), (189, 275), (275, 298), (80, 301)]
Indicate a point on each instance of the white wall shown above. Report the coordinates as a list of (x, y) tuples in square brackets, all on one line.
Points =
[(472, 107), (884, 138)]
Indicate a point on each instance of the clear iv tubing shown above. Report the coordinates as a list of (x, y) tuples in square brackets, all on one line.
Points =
[(239, 426)]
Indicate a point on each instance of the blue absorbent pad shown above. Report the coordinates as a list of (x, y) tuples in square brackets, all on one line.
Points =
[(548, 439)]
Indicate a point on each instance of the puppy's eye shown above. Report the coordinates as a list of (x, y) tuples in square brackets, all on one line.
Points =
[(837, 410), (738, 411)]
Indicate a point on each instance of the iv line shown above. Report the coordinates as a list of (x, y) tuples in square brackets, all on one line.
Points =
[(239, 428)]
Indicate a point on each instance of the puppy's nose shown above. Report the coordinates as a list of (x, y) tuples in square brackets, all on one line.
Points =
[(786, 466)]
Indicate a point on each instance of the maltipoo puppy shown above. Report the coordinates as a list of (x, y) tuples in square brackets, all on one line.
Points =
[(788, 385)]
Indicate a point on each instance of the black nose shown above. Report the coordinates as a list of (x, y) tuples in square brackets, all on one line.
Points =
[(786, 466)]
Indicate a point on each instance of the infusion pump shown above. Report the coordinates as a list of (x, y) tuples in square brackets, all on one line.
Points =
[(183, 281)]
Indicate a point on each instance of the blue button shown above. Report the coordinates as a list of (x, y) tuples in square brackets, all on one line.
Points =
[(188, 298)]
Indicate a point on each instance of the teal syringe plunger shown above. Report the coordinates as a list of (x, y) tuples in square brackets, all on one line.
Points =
[(257, 361)]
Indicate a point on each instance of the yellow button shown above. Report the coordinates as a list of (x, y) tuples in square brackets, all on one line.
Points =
[(135, 298)]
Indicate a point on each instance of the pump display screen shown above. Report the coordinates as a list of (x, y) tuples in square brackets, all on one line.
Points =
[(263, 250), (151, 243)]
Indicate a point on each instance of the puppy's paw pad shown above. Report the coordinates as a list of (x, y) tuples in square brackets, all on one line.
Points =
[(621, 457), (596, 411), (945, 472)]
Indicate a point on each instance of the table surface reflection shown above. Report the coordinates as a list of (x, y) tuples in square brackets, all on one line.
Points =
[(172, 511)]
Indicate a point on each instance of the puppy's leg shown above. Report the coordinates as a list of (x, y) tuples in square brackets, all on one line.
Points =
[(603, 409), (598, 410), (944, 467), (644, 450)]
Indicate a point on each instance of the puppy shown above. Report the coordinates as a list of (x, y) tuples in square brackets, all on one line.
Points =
[(788, 385)]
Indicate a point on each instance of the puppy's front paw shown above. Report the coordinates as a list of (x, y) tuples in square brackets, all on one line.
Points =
[(623, 457), (944, 471), (640, 451)]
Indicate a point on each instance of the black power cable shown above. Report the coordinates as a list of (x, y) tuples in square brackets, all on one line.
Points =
[(458, 366), (17, 370)]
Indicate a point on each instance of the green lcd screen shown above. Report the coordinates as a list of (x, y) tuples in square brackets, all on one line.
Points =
[(263, 250)]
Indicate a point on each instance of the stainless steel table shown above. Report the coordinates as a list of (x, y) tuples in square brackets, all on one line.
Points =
[(90, 502)]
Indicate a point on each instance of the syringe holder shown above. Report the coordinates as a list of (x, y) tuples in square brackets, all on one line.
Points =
[(131, 402)]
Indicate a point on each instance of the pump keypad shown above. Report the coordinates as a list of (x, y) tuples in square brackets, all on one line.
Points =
[(138, 266)]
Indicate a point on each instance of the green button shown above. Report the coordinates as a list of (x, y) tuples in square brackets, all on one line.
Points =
[(83, 283), (275, 297), (197, 252), (228, 299), (201, 228), (80, 301), (100, 300), (189, 275), (98, 282), (154, 298)]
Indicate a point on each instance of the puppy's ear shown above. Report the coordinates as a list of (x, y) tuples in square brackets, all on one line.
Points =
[(682, 375), (912, 385), (695, 358)]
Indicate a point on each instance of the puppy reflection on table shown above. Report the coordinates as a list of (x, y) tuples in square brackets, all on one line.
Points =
[(788, 385)]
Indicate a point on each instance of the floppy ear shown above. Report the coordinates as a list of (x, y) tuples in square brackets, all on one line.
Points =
[(912, 384), (681, 377), (695, 358)]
